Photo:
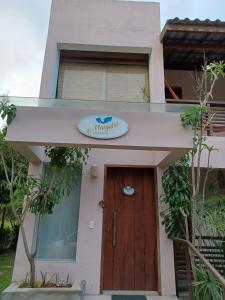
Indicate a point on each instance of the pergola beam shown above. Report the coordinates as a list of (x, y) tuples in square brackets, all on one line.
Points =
[(198, 47), (186, 28)]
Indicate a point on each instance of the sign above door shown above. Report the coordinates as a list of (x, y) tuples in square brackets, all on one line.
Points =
[(102, 127)]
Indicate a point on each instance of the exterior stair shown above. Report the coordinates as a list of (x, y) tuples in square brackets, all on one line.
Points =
[(211, 250), (108, 297), (182, 272)]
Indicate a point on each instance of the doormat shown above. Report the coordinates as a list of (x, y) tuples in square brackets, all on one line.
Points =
[(123, 297)]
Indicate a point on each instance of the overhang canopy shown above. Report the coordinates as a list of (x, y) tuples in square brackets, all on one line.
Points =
[(151, 128), (186, 42)]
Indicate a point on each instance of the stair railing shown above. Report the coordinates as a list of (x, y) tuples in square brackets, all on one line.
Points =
[(206, 263)]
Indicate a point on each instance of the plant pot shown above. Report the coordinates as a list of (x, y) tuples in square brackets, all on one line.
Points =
[(13, 292)]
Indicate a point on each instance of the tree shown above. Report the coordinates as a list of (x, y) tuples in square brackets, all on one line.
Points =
[(8, 233), (198, 120), (40, 194), (183, 190)]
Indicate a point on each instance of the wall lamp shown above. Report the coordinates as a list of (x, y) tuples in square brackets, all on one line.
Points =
[(94, 171)]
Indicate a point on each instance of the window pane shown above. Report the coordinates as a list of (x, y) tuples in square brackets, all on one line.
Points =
[(58, 231)]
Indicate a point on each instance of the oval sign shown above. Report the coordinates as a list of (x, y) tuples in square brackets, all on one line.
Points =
[(103, 127)]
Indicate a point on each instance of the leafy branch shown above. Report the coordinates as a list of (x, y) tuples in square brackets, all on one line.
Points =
[(43, 193)]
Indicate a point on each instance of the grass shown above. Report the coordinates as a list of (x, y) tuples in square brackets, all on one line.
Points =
[(6, 268)]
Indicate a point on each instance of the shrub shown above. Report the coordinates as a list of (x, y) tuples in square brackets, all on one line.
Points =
[(8, 237), (206, 287)]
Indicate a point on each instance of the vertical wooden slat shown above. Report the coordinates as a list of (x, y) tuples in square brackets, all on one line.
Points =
[(108, 220), (149, 218), (130, 262), (139, 230)]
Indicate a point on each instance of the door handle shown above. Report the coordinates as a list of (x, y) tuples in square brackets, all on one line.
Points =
[(114, 229)]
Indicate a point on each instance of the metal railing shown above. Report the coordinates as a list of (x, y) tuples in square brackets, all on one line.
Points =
[(205, 262), (216, 108)]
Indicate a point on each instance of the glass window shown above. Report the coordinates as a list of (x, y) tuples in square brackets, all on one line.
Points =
[(58, 231)]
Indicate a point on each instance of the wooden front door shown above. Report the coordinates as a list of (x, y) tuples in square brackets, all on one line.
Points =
[(129, 233)]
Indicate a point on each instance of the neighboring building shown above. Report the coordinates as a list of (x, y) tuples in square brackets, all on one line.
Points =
[(105, 57)]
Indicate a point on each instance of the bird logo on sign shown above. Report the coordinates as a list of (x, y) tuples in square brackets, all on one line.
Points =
[(104, 120)]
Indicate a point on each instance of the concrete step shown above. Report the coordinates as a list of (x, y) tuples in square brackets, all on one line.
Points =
[(108, 297)]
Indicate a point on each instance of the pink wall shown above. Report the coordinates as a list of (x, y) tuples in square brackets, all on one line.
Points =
[(98, 25), (147, 130), (88, 261), (101, 25), (184, 79), (216, 157)]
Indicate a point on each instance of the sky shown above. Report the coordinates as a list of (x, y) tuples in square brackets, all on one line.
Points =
[(23, 34)]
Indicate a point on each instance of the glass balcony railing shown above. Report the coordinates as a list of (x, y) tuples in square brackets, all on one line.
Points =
[(217, 109), (99, 105)]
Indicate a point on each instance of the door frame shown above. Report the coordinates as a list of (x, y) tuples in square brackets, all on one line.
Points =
[(156, 197)]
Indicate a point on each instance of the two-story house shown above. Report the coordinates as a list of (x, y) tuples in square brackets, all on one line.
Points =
[(104, 65)]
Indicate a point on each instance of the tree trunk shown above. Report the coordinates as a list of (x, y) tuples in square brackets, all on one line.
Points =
[(32, 271), (30, 257), (3, 218)]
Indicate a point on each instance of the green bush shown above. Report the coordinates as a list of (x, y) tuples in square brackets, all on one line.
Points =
[(176, 185), (206, 287), (8, 237)]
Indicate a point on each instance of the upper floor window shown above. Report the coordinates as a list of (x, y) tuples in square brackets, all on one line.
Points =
[(104, 79)]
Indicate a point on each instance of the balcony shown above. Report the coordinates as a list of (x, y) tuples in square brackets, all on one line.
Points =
[(216, 110), (154, 127), (170, 107), (188, 45)]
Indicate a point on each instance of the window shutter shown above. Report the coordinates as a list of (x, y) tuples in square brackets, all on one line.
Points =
[(126, 83), (81, 81), (103, 82)]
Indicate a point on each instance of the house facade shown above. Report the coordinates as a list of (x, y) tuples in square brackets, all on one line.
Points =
[(104, 61)]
